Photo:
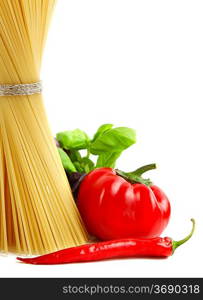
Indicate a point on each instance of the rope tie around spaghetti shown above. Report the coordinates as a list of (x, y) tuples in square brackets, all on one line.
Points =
[(21, 89)]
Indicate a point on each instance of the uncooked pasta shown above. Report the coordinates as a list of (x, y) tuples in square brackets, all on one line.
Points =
[(37, 211)]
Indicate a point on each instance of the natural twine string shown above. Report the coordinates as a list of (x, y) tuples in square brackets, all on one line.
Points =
[(21, 89)]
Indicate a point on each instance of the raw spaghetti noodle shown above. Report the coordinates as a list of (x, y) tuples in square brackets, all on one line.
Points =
[(37, 212)]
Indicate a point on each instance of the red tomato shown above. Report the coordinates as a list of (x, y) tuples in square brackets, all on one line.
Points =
[(114, 208)]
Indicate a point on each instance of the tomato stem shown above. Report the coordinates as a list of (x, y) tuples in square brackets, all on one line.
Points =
[(176, 244), (136, 176), (142, 170)]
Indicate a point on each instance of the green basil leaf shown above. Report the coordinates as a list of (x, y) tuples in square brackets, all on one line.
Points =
[(75, 155), (75, 139), (67, 163), (101, 130), (79, 167), (108, 160), (87, 164), (113, 140)]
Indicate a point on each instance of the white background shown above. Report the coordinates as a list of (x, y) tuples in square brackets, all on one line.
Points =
[(137, 64)]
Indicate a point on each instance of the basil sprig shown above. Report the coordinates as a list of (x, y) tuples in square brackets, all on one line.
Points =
[(106, 146)]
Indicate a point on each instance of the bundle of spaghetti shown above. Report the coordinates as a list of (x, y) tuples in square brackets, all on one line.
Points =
[(37, 211)]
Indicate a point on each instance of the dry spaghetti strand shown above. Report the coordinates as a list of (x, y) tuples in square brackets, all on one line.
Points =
[(37, 211)]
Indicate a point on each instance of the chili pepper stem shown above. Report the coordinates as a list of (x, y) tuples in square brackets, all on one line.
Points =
[(176, 244)]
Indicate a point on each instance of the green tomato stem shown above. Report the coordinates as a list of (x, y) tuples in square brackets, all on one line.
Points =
[(142, 170), (136, 176)]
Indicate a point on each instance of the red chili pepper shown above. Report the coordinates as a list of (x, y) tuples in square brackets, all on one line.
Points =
[(156, 247), (115, 205)]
